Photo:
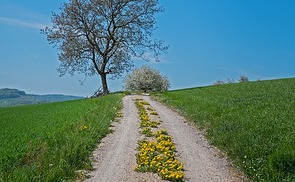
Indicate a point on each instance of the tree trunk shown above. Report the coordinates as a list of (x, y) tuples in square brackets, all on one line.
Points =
[(105, 89)]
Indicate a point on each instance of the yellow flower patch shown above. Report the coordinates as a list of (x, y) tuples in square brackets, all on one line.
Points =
[(149, 109), (144, 117), (83, 127), (153, 113), (143, 102), (157, 155), (147, 131), (152, 124), (119, 114)]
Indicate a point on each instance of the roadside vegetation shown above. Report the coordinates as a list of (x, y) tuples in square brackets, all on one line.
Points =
[(253, 122), (156, 150), (50, 142)]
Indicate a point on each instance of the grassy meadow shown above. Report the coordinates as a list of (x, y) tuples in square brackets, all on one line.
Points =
[(49, 142), (253, 122)]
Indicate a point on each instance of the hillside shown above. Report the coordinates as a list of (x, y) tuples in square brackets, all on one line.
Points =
[(14, 97), (49, 142), (253, 123)]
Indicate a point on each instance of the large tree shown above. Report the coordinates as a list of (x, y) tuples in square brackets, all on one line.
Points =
[(100, 37)]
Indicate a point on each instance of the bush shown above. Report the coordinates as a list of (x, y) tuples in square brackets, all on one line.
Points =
[(230, 81), (146, 79), (243, 79), (219, 82)]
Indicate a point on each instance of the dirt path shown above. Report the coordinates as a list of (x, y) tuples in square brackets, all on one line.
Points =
[(115, 156)]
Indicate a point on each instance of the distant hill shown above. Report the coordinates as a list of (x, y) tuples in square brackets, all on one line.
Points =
[(14, 97), (6, 93)]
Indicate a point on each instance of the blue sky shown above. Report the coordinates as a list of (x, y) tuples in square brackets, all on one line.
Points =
[(209, 41)]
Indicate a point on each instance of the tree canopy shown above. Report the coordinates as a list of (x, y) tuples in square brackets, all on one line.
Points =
[(100, 37)]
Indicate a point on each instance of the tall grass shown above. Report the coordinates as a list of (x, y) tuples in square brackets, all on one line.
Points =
[(50, 142), (254, 123)]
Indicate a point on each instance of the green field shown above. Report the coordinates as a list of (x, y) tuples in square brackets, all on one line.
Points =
[(254, 123), (49, 142)]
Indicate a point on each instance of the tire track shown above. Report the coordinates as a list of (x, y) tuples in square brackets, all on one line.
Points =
[(201, 161), (115, 156)]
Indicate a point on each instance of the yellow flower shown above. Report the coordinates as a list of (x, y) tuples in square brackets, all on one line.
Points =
[(156, 155)]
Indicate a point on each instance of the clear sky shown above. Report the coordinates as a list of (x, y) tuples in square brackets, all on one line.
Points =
[(209, 40)]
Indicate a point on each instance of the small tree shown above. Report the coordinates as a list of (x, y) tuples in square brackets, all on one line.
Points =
[(146, 79)]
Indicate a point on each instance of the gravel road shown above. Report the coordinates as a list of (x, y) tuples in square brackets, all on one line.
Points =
[(114, 159)]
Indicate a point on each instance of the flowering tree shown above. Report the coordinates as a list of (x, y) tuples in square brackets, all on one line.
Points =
[(146, 79), (99, 37)]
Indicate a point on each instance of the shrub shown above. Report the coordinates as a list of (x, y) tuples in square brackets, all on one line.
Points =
[(146, 79), (219, 82), (243, 79), (230, 81)]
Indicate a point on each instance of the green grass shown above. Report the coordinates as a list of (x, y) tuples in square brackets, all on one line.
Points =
[(254, 123), (50, 142)]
